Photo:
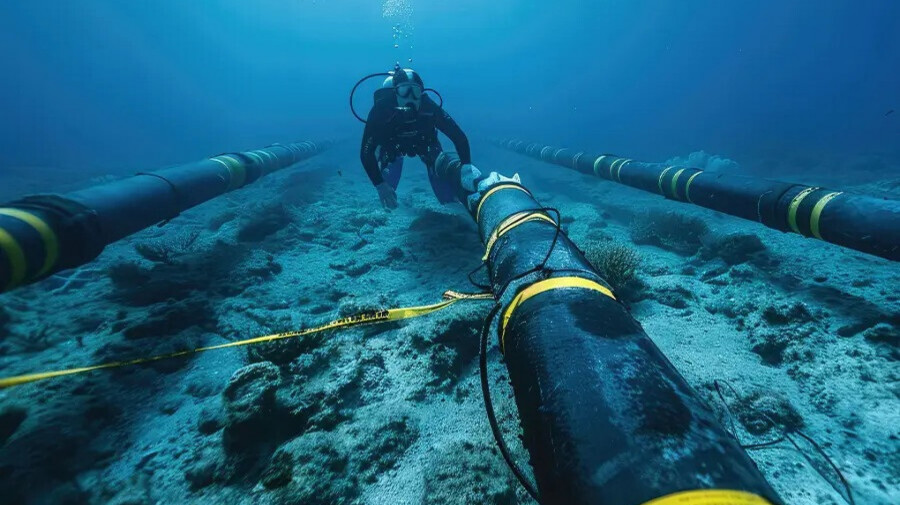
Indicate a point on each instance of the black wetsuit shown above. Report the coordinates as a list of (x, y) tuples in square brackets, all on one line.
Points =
[(400, 132)]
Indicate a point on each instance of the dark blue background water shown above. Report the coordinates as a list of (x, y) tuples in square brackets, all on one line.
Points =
[(107, 84)]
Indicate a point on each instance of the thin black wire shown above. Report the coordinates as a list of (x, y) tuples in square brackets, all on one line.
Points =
[(540, 266), (484, 287), (489, 407), (783, 435)]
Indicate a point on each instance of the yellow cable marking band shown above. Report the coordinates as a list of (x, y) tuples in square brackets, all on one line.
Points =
[(259, 159), (493, 190), (511, 222), (675, 182), (51, 243), (237, 174), (542, 287), (662, 176), (365, 318), (575, 160), (795, 204), (612, 167), (17, 263), (619, 170), (710, 497), (265, 155), (817, 213), (597, 165), (687, 187)]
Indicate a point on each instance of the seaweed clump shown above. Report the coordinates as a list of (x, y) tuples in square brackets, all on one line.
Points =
[(616, 262)]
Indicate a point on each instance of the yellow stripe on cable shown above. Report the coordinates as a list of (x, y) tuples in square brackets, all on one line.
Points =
[(48, 236), (687, 187), (511, 222), (795, 204), (619, 170), (817, 213), (575, 160), (710, 497), (542, 287), (493, 190), (612, 167), (662, 176), (237, 174), (365, 318), (17, 263), (259, 159), (597, 165), (675, 183)]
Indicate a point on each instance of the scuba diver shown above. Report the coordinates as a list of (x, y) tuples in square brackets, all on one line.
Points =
[(404, 122)]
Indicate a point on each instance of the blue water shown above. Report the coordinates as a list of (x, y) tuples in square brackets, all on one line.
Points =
[(93, 83), (93, 90)]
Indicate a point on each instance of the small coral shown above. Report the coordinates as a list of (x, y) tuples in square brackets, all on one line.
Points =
[(616, 262), (671, 230)]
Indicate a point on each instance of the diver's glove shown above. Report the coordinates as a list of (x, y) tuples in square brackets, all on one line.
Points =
[(486, 183), (387, 195), (495, 178)]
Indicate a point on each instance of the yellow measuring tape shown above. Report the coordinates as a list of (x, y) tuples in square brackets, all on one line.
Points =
[(365, 318)]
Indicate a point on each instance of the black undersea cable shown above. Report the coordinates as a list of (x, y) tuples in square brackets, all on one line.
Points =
[(489, 407), (784, 435), (540, 265)]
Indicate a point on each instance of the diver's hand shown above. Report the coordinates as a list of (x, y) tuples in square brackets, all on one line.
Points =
[(387, 195)]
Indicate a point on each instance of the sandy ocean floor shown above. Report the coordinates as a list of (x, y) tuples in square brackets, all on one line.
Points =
[(806, 332)]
